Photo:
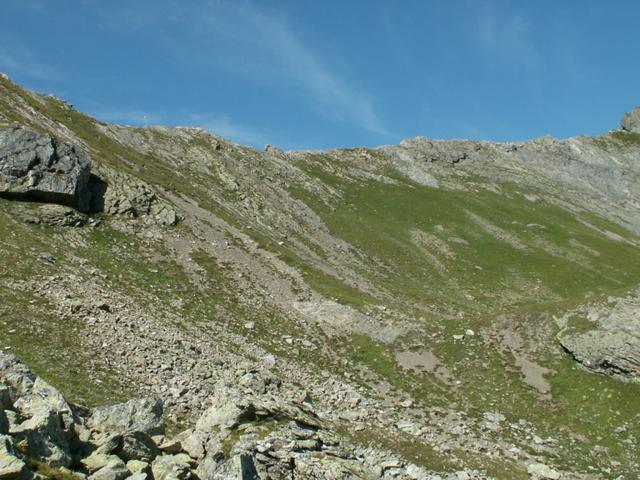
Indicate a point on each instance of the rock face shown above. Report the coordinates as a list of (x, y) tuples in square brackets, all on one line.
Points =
[(39, 167), (631, 121)]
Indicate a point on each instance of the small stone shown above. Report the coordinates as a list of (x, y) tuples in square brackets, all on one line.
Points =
[(194, 444), (137, 446), (171, 446), (138, 476), (540, 471), (47, 257)]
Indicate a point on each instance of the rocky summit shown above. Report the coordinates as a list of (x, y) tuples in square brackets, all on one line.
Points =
[(631, 121), (174, 305)]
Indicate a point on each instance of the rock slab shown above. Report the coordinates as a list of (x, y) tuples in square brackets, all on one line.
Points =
[(605, 351), (140, 414)]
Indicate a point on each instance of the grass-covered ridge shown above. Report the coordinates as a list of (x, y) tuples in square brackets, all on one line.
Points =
[(446, 246)]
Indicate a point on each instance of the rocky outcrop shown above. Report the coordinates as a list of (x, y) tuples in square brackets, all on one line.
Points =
[(609, 340), (125, 195), (41, 168), (631, 121), (616, 353)]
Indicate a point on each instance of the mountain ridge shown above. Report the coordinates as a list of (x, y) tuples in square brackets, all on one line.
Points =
[(393, 286)]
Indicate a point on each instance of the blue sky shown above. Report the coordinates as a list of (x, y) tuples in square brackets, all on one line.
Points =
[(319, 74)]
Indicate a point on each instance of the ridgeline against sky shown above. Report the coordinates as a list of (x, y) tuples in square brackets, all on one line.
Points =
[(327, 74)]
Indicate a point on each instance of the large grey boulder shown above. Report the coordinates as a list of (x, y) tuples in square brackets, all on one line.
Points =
[(39, 167), (140, 414), (612, 343), (631, 121)]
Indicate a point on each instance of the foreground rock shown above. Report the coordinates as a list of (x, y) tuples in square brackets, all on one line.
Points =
[(39, 167), (238, 437)]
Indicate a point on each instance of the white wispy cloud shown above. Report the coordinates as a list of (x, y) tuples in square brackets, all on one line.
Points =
[(222, 125), (262, 45), (33, 6), (270, 43), (507, 33), (16, 59)]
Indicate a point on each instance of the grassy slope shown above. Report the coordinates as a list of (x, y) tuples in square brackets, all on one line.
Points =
[(50, 345), (485, 276), (528, 285)]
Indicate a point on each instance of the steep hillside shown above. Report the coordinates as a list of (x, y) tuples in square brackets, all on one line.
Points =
[(466, 309)]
